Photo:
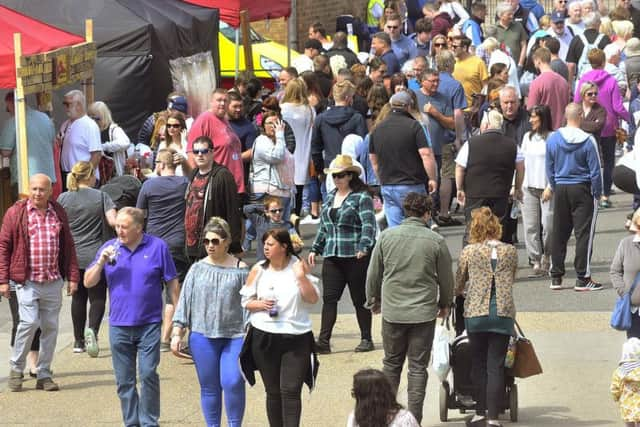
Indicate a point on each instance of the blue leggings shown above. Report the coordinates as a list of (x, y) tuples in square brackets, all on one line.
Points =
[(216, 361)]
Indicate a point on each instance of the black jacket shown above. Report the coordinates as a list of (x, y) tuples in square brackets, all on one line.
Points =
[(329, 130), (349, 57)]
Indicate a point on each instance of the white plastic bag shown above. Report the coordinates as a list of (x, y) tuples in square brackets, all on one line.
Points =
[(441, 352)]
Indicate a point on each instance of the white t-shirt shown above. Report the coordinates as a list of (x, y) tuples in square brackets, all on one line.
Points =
[(80, 138), (534, 151), (293, 312), (302, 63), (403, 418)]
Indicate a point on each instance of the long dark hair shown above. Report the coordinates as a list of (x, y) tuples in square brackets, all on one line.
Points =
[(546, 126), (376, 404), (282, 236), (356, 183)]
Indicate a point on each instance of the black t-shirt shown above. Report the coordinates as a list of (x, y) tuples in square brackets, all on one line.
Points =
[(575, 47)]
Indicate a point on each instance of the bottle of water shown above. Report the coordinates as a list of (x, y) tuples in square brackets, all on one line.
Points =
[(270, 295), (515, 210)]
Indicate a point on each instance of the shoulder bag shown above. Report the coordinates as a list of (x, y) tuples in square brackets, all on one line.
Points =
[(621, 316)]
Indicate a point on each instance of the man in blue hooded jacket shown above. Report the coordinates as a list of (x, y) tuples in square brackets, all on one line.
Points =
[(573, 171)]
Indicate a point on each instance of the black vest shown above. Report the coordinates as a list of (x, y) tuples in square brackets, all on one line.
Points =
[(490, 166)]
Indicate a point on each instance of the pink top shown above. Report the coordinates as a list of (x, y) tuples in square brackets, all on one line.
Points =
[(227, 148), (551, 89)]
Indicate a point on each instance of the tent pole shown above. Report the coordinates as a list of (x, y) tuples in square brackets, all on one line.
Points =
[(237, 52), (21, 127), (88, 85)]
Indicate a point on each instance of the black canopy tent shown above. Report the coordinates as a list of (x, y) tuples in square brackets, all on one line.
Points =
[(135, 40)]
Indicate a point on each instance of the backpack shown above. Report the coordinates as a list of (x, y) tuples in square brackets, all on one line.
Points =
[(583, 62)]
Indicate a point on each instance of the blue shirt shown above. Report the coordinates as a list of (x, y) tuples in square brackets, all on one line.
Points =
[(40, 136), (451, 88), (439, 134), (135, 281), (414, 84), (404, 49), (391, 60)]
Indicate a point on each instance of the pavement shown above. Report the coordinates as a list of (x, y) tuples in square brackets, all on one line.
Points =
[(570, 330)]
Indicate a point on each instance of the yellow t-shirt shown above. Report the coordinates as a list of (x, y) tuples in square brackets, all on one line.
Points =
[(471, 73)]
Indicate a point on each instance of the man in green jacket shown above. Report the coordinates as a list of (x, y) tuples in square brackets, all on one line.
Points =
[(410, 280)]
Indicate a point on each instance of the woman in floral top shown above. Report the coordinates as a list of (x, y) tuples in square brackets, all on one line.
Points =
[(487, 267), (345, 239)]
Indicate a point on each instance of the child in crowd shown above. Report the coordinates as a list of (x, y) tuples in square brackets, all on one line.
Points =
[(376, 404), (268, 216), (625, 384)]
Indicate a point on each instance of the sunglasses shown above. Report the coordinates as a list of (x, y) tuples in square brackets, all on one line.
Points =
[(440, 44), (591, 93), (171, 125), (214, 242), (392, 27), (277, 210), (339, 175), (197, 151)]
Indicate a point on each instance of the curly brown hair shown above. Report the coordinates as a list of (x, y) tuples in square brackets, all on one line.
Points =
[(484, 226)]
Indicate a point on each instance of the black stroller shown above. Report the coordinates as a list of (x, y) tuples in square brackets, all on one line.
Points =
[(460, 396)]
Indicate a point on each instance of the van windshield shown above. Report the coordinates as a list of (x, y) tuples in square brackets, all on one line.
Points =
[(230, 33)]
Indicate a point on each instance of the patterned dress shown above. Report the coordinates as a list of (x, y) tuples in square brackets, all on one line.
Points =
[(625, 388)]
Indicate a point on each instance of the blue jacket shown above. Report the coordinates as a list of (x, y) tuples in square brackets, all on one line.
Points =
[(572, 158)]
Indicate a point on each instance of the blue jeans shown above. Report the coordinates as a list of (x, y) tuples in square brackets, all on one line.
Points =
[(143, 342), (393, 196), (216, 361)]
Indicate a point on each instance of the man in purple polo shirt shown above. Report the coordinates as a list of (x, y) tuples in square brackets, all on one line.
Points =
[(135, 264)]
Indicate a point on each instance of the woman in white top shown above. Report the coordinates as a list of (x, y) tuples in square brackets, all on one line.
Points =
[(537, 203), (376, 404), (491, 47), (296, 111), (279, 294), (114, 140), (175, 137)]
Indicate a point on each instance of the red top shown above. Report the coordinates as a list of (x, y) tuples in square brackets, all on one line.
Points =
[(258, 9), (227, 149), (44, 243)]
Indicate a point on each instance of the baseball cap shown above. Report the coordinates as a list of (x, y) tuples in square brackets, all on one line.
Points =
[(178, 103), (557, 16), (400, 99)]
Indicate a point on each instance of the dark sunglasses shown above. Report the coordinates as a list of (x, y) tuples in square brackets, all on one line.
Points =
[(392, 27), (339, 175), (197, 151), (170, 125), (277, 210), (214, 242), (440, 44), (591, 93)]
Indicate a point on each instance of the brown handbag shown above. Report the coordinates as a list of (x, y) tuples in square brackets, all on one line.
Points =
[(526, 362)]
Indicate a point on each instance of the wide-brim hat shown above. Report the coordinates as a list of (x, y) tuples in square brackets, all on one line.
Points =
[(342, 163)]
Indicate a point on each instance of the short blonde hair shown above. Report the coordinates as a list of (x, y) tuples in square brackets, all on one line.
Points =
[(484, 226), (587, 86), (623, 29), (495, 119), (81, 173), (343, 90)]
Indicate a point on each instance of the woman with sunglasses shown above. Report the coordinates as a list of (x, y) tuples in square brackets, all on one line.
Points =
[(345, 239), (115, 141), (210, 307), (175, 138), (279, 294), (609, 97), (438, 44)]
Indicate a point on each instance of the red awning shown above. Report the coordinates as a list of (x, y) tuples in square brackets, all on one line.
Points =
[(258, 9), (37, 37)]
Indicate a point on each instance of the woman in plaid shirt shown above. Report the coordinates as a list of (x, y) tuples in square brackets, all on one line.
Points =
[(345, 239)]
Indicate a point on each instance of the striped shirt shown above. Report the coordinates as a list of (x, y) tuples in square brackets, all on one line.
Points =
[(44, 243)]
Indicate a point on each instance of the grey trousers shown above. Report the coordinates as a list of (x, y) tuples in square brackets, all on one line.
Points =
[(39, 306), (534, 212), (412, 341)]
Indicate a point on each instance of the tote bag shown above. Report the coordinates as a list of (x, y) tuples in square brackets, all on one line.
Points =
[(621, 316)]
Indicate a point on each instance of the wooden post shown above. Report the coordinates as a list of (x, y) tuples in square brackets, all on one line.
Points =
[(21, 126), (88, 86), (246, 40)]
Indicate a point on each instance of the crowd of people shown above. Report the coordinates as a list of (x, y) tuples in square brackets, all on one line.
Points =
[(449, 120)]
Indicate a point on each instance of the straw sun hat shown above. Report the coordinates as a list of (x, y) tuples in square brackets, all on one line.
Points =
[(342, 163)]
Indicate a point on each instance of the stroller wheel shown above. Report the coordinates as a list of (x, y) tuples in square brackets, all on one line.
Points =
[(513, 403), (444, 401)]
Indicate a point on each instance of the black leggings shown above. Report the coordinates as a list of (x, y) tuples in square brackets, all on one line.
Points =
[(15, 317), (283, 362), (336, 274), (299, 192), (488, 350), (96, 296)]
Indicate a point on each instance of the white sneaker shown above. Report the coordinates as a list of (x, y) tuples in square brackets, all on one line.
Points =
[(309, 220)]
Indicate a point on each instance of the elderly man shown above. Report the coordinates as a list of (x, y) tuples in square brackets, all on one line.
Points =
[(79, 136), (227, 149), (135, 265), (381, 48), (410, 280), (37, 253), (577, 60), (560, 32), (511, 33), (406, 165), (41, 135), (403, 47), (574, 19), (573, 171)]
